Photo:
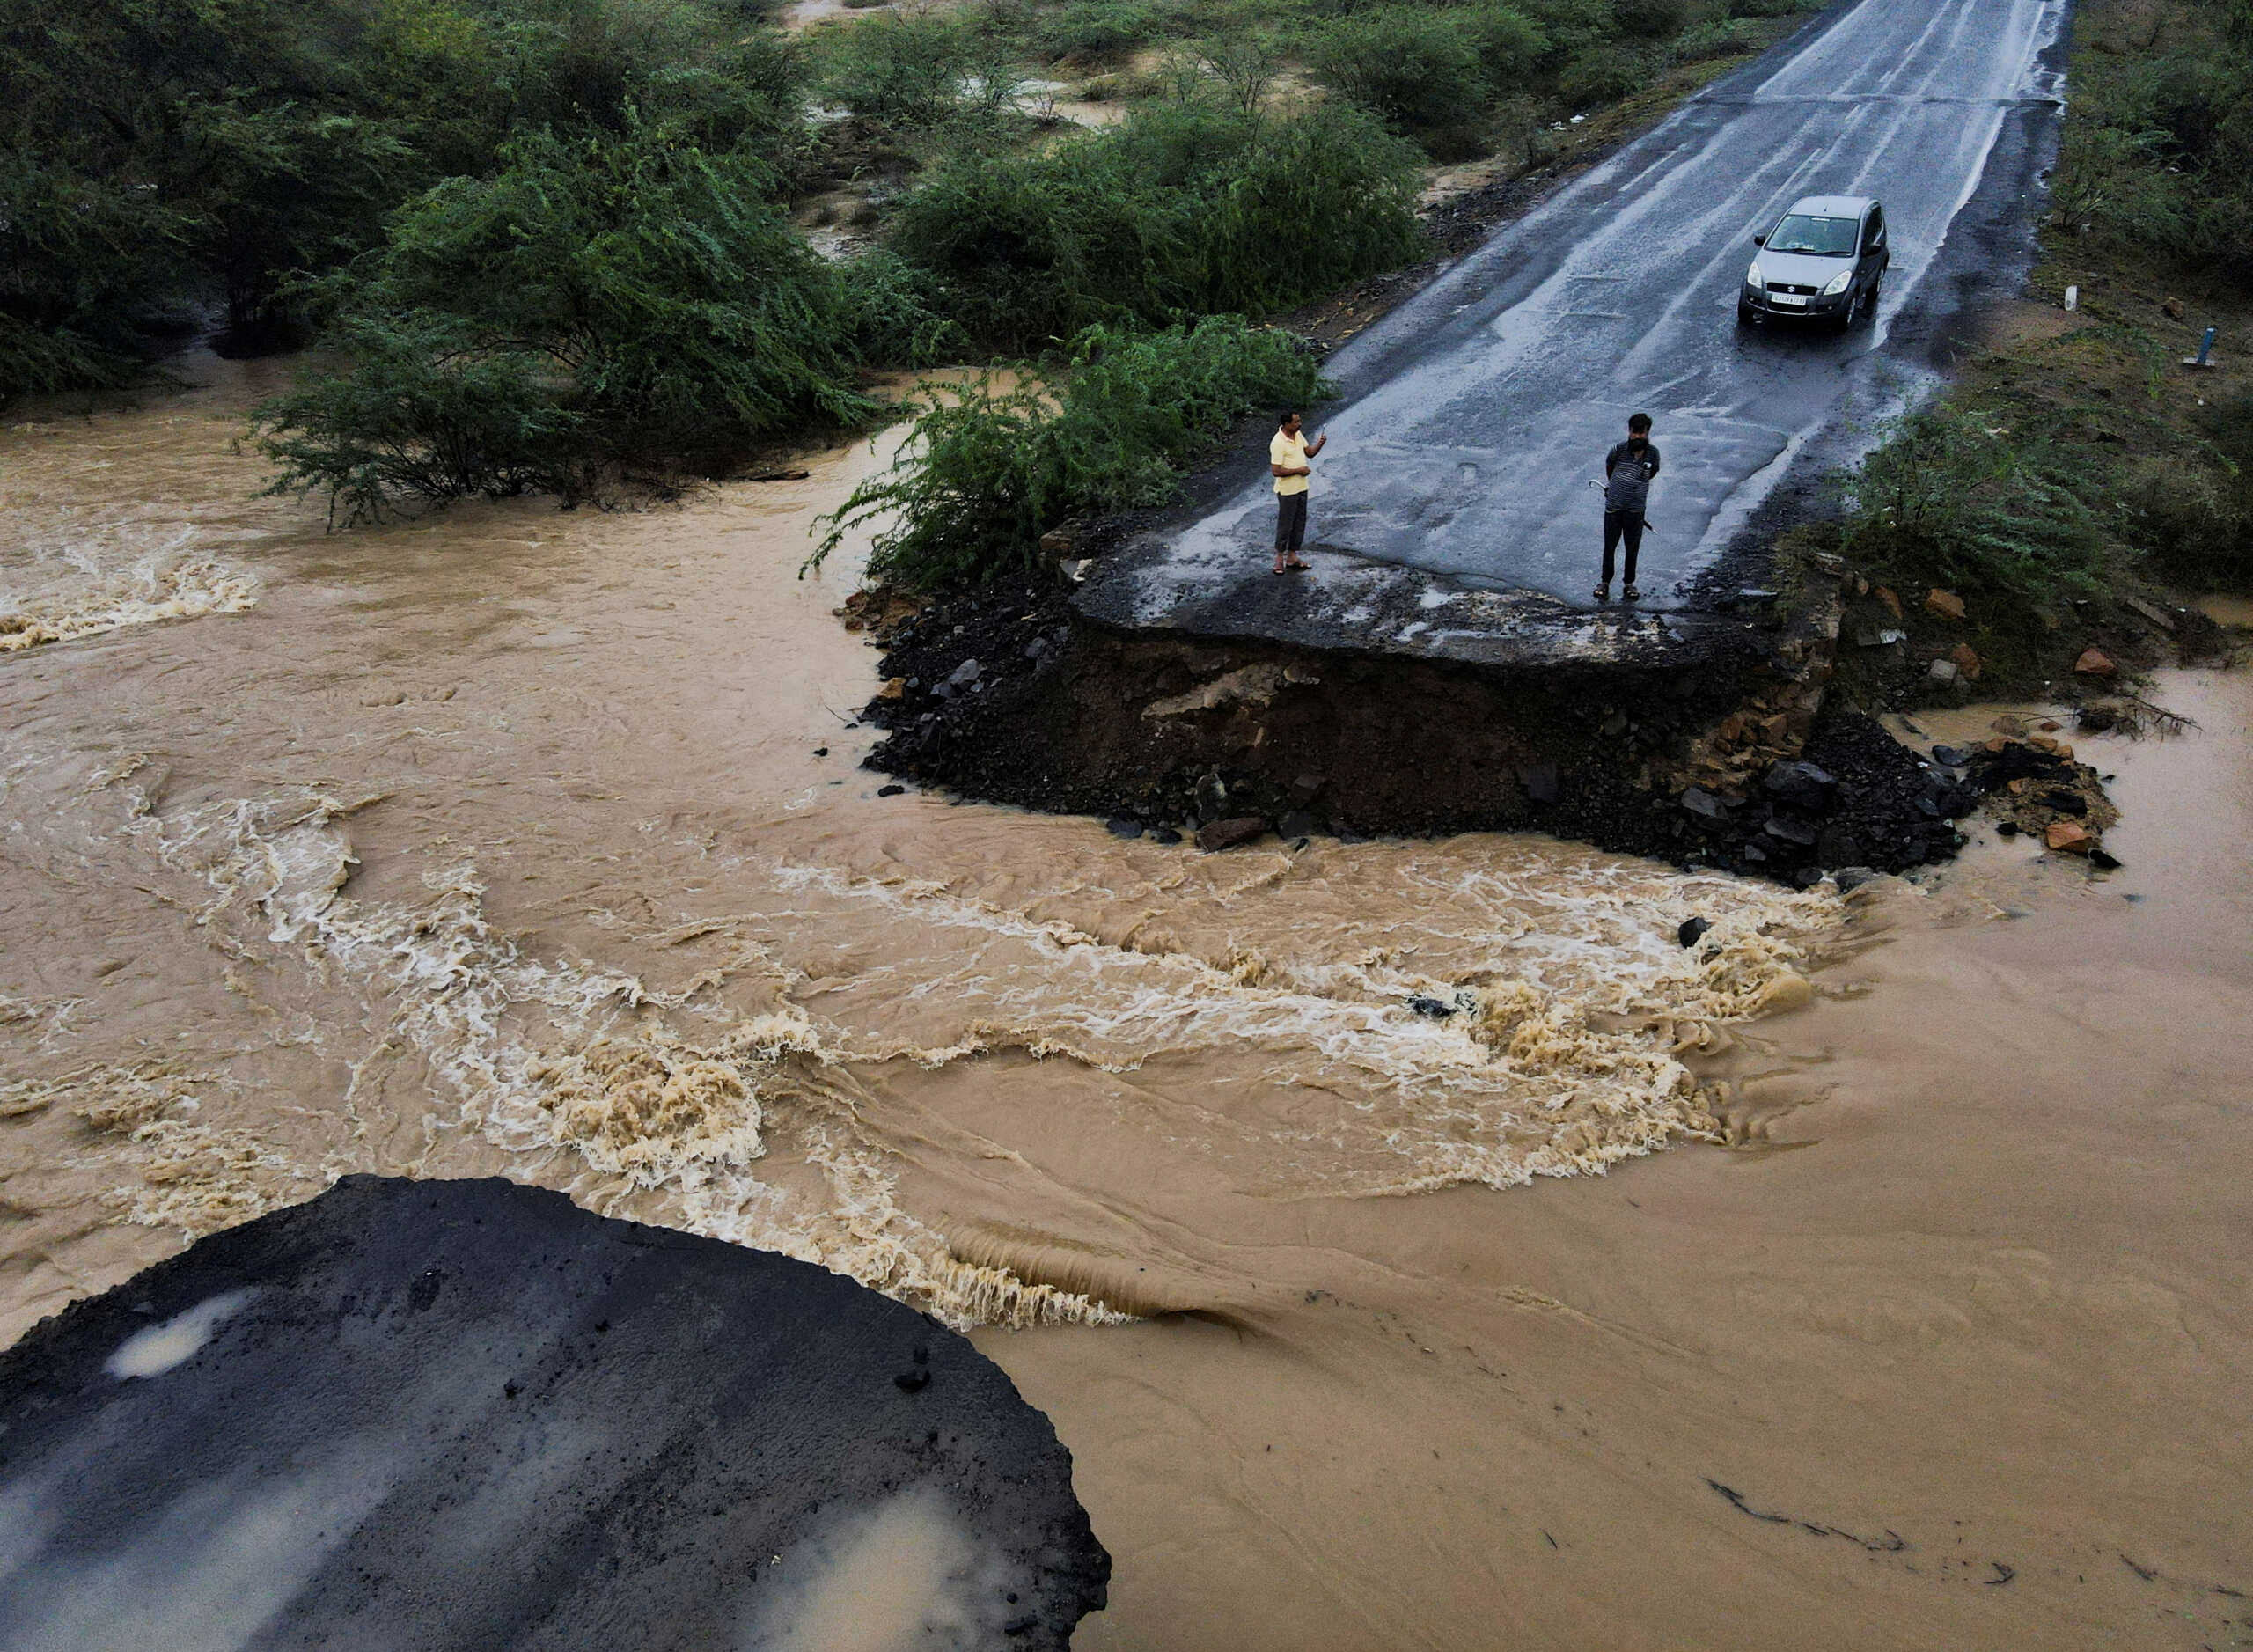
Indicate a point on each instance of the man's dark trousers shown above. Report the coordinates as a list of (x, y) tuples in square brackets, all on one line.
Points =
[(1619, 525), (1290, 523)]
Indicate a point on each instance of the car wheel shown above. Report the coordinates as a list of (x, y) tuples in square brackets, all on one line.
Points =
[(1746, 316), (1870, 298)]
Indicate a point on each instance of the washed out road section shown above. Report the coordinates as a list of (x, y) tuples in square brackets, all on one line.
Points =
[(470, 1414), (1477, 415)]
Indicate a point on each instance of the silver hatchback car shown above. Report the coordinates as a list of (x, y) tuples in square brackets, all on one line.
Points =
[(1824, 259)]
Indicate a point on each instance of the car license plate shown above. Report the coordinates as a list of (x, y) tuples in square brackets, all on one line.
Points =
[(1799, 298)]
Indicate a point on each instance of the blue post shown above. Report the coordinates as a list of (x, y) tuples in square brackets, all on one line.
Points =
[(2205, 348)]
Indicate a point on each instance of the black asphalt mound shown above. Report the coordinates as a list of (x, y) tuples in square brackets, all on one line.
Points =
[(469, 1414)]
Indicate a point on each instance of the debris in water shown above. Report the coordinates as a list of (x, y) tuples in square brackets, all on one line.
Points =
[(1228, 834)]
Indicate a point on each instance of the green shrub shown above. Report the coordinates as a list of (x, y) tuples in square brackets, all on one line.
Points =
[(631, 302), (992, 77), (1769, 8), (1244, 62), (421, 420), (1289, 209), (986, 472), (81, 262), (2196, 520), (1721, 37), (896, 316), (164, 154), (1650, 19), (1183, 210), (1416, 68), (752, 94), (1510, 45), (2109, 176), (1951, 499), (2158, 150), (898, 71), (1092, 32), (1034, 246), (1572, 25), (1603, 74), (287, 189)]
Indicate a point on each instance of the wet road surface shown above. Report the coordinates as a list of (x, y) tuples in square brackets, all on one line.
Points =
[(1479, 413)]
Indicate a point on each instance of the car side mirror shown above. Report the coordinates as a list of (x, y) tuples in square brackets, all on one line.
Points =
[(1759, 240)]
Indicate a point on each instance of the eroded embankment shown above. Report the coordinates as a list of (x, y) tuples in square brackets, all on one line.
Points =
[(1695, 755)]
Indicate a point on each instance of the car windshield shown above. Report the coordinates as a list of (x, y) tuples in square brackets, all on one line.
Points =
[(1828, 238)]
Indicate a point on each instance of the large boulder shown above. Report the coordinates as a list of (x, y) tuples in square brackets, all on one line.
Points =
[(1805, 786), (1228, 834)]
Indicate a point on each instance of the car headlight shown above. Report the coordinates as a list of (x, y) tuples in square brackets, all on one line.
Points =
[(1752, 275), (1838, 283)]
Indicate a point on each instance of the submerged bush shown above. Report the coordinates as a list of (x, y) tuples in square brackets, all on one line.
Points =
[(415, 419), (1184, 211), (987, 471), (620, 303)]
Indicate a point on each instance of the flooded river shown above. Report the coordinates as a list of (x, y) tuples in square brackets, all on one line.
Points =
[(518, 842)]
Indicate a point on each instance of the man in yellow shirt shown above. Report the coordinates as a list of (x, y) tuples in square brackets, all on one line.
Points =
[(1287, 461)]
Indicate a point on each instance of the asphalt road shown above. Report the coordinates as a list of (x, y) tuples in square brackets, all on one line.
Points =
[(1479, 413), (469, 1416)]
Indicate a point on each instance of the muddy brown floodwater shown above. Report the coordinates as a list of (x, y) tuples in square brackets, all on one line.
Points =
[(1910, 1310)]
